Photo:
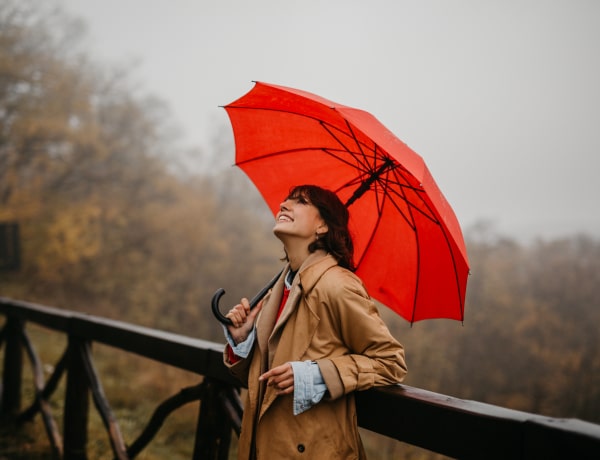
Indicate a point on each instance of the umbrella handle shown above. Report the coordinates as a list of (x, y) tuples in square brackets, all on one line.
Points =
[(257, 298)]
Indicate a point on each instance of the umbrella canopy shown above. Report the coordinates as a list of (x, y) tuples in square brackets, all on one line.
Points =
[(409, 248)]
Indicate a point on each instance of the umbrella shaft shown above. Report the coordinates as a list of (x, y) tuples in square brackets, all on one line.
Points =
[(366, 184)]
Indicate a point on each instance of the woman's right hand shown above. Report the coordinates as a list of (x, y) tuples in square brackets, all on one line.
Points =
[(243, 319)]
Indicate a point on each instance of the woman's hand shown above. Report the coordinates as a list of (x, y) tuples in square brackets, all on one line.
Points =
[(280, 377), (243, 320)]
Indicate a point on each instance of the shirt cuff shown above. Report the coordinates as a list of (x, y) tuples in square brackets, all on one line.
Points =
[(242, 349), (309, 386)]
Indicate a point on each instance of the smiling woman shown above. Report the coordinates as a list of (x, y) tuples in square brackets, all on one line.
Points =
[(300, 226), (313, 340), (297, 225)]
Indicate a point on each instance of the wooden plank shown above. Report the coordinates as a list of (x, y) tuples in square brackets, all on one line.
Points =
[(12, 374), (464, 429), (195, 355)]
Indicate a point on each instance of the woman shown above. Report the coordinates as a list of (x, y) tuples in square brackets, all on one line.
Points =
[(313, 340)]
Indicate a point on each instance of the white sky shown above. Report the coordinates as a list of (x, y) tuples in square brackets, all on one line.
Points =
[(500, 97)]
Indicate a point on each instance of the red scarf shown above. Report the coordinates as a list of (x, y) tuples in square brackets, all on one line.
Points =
[(284, 297)]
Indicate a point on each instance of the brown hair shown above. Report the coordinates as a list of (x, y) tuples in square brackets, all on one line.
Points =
[(337, 241)]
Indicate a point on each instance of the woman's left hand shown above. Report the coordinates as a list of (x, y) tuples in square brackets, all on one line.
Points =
[(280, 377)]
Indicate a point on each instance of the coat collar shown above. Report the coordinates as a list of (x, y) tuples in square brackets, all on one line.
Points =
[(313, 268), (315, 265), (305, 280)]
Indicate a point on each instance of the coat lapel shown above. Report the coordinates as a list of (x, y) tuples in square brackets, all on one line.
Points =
[(296, 316), (267, 317)]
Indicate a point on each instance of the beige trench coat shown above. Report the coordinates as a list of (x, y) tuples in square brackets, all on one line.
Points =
[(330, 319)]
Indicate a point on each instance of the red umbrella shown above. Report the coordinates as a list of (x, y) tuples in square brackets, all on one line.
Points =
[(409, 248)]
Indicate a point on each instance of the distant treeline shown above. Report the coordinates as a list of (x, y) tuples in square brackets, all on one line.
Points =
[(114, 222)]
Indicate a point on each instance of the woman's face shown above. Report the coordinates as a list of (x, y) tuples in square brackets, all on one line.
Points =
[(299, 218)]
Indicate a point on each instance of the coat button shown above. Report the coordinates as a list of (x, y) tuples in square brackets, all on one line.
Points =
[(301, 448)]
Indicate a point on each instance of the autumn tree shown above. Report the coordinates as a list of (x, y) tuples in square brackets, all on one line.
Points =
[(108, 223)]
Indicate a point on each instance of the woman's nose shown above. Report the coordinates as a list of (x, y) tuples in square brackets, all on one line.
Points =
[(285, 205)]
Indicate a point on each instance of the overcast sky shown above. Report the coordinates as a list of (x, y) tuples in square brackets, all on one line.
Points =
[(500, 97)]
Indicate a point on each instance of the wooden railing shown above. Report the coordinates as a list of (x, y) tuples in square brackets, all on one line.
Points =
[(439, 423)]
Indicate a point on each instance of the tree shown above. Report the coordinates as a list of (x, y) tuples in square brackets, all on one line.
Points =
[(109, 223)]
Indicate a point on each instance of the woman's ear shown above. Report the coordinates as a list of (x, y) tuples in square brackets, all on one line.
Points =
[(322, 229)]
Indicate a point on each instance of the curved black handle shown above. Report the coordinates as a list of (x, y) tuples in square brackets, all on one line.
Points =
[(253, 303), (215, 307)]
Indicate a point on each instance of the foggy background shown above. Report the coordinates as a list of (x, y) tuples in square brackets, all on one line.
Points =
[(500, 98), (501, 101)]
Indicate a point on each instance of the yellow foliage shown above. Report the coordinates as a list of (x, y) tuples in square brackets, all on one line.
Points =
[(73, 235)]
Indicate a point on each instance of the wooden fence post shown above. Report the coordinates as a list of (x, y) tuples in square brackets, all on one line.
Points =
[(76, 403), (10, 400), (213, 435)]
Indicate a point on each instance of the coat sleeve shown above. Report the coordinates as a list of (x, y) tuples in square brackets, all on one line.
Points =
[(370, 355), (238, 367)]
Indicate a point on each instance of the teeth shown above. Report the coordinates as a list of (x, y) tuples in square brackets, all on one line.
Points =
[(284, 219)]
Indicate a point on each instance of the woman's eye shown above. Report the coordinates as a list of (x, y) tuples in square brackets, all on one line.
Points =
[(298, 199)]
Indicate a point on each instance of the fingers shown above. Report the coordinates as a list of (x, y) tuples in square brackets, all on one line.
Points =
[(280, 377), (239, 314), (246, 304)]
